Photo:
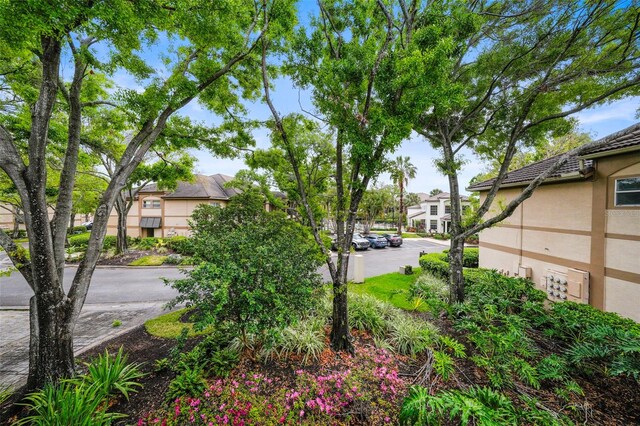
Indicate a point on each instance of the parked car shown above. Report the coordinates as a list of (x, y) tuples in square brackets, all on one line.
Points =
[(88, 225), (357, 242), (394, 240), (377, 241)]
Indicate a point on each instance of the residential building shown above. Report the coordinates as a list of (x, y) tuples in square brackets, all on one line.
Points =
[(433, 214), (164, 213), (578, 236)]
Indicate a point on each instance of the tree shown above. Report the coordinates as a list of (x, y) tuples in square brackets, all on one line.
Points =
[(316, 156), (374, 203), (401, 171), (346, 60), (213, 58), (262, 274), (515, 74), (435, 192)]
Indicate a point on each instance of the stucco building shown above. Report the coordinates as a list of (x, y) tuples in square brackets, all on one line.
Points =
[(164, 213), (433, 214), (578, 236)]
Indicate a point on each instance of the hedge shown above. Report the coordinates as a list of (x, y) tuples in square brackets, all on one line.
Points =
[(83, 240), (438, 264), (181, 245), (470, 257), (77, 230)]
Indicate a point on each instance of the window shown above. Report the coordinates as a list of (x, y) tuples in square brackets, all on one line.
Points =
[(214, 203), (433, 225), (433, 210), (628, 191), (447, 209), (151, 204)]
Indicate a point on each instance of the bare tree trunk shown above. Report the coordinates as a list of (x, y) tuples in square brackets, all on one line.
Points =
[(401, 215), (72, 220), (16, 223), (122, 208)]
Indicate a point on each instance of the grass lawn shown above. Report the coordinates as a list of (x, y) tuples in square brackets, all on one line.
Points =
[(392, 288), (410, 235), (169, 326), (152, 260)]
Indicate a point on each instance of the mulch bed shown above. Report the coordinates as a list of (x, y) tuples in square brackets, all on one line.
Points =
[(607, 401)]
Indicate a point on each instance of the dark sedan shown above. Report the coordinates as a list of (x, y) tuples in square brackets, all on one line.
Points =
[(394, 240), (377, 241)]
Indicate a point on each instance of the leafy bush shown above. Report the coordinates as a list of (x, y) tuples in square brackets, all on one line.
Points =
[(79, 240), (305, 337), (76, 230), (67, 403), (476, 405), (436, 264), (262, 273), (428, 287), (84, 400), (173, 259), (146, 243), (181, 245), (113, 374), (189, 382), (366, 313), (409, 335)]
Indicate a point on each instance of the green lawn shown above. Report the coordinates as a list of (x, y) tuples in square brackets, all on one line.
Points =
[(152, 260), (410, 235), (392, 288), (169, 326)]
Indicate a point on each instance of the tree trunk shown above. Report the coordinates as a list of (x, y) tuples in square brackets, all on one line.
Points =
[(122, 208), (51, 347), (72, 220), (16, 225), (401, 215), (456, 280)]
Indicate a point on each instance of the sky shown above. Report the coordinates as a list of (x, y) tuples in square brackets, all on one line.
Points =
[(597, 122)]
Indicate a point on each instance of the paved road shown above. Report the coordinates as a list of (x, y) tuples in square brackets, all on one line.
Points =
[(133, 295), (144, 284)]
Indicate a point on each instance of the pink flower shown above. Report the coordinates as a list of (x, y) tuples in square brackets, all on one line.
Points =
[(301, 413)]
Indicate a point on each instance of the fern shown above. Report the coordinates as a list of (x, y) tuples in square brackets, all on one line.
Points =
[(443, 364)]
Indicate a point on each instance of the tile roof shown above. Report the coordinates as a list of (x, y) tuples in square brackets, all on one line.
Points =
[(211, 187), (627, 138)]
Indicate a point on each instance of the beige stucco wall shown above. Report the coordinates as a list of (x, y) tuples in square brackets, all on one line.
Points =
[(575, 225), (622, 297)]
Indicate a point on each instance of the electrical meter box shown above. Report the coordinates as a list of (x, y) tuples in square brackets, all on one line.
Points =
[(572, 285)]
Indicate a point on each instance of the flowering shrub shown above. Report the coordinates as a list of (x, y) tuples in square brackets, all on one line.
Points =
[(370, 392)]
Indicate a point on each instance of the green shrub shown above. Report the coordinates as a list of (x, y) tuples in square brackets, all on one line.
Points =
[(68, 403), (76, 230), (84, 400), (476, 405), (366, 313), (79, 240), (112, 374), (305, 337), (189, 382), (409, 335), (436, 264), (181, 245), (174, 259), (147, 243), (428, 286), (82, 240), (258, 269)]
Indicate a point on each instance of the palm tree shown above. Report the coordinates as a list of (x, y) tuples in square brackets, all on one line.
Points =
[(401, 171)]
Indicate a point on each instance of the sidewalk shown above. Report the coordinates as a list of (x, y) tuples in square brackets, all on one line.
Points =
[(95, 325)]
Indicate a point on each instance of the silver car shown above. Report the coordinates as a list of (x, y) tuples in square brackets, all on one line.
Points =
[(357, 242)]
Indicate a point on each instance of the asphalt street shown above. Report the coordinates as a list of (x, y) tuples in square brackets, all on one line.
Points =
[(131, 296), (144, 284)]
